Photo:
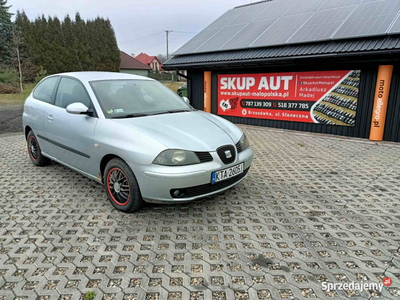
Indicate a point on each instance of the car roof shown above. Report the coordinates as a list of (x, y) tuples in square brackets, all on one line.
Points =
[(94, 76)]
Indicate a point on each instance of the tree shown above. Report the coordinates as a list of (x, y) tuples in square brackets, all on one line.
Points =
[(17, 41), (5, 32), (69, 58), (70, 45), (22, 27), (109, 59)]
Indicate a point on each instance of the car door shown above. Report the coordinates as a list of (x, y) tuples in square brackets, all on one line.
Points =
[(71, 136), (36, 111)]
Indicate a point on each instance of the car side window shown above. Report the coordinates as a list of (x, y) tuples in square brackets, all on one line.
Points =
[(71, 91), (45, 89)]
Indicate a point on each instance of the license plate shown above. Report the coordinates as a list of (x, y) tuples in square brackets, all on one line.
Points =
[(227, 173)]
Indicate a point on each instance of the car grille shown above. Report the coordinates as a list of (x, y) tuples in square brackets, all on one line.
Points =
[(209, 188), (238, 147), (222, 153), (204, 156)]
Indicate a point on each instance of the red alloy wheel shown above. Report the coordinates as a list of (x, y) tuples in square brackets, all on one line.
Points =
[(33, 148), (118, 186)]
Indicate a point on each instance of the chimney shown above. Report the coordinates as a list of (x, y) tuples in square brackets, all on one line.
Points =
[(133, 55)]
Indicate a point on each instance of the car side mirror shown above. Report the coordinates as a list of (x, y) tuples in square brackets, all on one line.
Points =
[(77, 108), (186, 99)]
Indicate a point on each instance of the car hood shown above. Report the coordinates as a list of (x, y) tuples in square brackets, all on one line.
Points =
[(194, 131)]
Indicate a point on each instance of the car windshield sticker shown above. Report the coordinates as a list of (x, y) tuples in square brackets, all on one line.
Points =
[(110, 111), (118, 110)]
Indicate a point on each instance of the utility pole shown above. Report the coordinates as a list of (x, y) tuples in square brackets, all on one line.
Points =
[(167, 33)]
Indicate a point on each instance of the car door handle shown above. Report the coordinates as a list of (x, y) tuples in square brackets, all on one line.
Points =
[(50, 117)]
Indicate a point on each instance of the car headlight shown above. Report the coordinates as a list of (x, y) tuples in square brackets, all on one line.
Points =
[(176, 158), (244, 142)]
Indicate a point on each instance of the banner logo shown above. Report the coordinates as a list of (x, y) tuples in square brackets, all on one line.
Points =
[(224, 104)]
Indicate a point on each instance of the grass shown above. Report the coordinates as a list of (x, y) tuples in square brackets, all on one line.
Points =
[(90, 295), (10, 99), (173, 85)]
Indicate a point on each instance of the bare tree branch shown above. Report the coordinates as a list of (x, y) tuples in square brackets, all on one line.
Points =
[(17, 41)]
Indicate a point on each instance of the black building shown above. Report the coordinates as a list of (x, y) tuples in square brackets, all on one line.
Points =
[(336, 46)]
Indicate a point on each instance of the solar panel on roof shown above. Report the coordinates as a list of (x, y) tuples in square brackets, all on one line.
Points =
[(274, 10), (369, 18), (248, 35), (197, 41), (281, 30), (365, 1), (305, 7), (322, 24), (339, 3), (223, 36), (248, 15), (395, 27), (226, 18), (280, 22)]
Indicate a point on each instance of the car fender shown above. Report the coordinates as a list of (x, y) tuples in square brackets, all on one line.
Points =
[(126, 142)]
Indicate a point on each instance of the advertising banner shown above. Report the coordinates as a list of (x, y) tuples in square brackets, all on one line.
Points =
[(326, 97), (380, 104)]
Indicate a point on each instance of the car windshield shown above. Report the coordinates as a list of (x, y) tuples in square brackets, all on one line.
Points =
[(136, 98)]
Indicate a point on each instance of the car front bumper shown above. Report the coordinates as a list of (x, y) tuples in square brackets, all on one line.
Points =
[(157, 181)]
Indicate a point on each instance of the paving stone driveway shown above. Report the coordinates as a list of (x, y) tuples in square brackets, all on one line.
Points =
[(313, 209)]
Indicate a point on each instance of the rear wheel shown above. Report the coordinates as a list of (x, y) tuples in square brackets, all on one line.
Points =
[(35, 154), (121, 186)]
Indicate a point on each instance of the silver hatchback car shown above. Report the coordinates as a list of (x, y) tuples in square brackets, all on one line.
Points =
[(135, 136)]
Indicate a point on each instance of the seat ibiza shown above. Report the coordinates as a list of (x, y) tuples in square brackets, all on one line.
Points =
[(135, 136)]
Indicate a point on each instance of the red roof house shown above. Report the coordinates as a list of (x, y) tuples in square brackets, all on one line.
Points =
[(152, 61)]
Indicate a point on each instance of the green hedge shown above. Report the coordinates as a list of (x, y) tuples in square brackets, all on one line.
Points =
[(70, 45)]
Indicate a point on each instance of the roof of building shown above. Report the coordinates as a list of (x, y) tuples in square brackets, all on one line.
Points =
[(283, 28), (130, 63), (147, 59), (365, 46)]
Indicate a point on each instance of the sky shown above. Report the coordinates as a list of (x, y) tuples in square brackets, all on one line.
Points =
[(139, 25)]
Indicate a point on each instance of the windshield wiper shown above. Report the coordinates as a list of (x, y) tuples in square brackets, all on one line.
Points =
[(129, 116), (171, 111)]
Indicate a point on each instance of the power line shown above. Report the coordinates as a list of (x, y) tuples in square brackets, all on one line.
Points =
[(155, 45), (167, 32), (185, 32), (142, 38)]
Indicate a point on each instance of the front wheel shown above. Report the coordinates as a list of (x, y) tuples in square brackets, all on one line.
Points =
[(121, 186), (35, 153)]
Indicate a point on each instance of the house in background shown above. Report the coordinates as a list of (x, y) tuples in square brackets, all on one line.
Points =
[(131, 65), (152, 61)]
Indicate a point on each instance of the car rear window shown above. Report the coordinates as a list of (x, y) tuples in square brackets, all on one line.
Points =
[(45, 89)]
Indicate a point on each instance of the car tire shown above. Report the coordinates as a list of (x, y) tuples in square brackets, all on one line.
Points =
[(35, 153), (121, 186)]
